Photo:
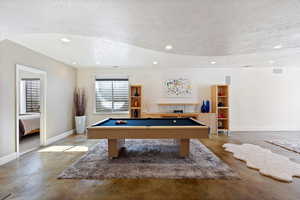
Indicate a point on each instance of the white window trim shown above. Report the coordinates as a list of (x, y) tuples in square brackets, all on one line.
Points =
[(94, 77)]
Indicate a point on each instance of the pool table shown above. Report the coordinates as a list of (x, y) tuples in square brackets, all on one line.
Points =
[(182, 129)]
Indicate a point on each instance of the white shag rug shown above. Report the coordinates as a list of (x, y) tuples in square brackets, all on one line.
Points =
[(267, 162)]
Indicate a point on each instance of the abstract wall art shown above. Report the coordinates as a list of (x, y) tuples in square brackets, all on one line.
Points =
[(180, 87)]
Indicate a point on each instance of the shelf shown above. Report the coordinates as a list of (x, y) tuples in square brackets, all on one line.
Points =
[(220, 96), (135, 96), (177, 104), (135, 108)]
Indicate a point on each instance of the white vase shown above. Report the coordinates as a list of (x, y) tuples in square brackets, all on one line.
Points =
[(80, 123)]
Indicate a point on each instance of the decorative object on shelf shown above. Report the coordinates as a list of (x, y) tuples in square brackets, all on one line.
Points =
[(136, 103), (136, 114), (220, 125), (205, 108), (221, 115), (180, 87), (220, 104), (177, 111), (136, 92), (80, 108)]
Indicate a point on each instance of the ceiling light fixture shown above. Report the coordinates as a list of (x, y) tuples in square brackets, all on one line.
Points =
[(278, 46), (65, 40), (155, 62), (169, 47), (97, 63), (74, 63), (213, 62)]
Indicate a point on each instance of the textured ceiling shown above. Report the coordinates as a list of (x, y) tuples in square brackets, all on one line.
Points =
[(97, 52), (194, 27)]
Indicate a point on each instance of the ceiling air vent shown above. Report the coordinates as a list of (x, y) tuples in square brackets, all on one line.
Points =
[(277, 71)]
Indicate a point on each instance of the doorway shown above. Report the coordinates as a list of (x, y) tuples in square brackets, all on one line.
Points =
[(30, 109)]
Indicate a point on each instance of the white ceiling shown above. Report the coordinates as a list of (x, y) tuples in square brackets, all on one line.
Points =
[(135, 32), (92, 51)]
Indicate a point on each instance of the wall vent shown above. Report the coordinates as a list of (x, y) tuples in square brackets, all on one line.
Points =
[(227, 80), (278, 71)]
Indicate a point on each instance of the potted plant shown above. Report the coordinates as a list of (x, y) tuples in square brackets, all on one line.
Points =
[(80, 108)]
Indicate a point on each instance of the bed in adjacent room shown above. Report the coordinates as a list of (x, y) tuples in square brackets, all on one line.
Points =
[(29, 124)]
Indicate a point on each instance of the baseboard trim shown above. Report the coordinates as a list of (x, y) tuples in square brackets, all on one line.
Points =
[(28, 151), (13, 156), (8, 158), (59, 137)]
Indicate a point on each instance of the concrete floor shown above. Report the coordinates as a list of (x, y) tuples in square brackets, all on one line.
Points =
[(33, 176), (29, 142)]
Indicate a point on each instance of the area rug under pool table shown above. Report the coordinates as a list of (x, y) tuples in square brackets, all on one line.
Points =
[(149, 159), (292, 145)]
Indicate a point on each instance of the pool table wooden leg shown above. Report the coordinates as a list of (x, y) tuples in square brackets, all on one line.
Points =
[(184, 147), (114, 146)]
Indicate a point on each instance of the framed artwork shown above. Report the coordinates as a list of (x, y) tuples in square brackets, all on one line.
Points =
[(180, 87)]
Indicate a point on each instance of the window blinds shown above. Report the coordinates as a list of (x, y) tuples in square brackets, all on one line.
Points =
[(32, 91), (112, 95)]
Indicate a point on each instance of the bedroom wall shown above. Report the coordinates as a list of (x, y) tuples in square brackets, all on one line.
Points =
[(259, 99), (61, 83)]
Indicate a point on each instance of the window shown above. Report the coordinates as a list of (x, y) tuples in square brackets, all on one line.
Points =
[(112, 95), (32, 95)]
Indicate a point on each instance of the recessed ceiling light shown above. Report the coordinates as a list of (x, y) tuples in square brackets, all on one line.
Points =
[(65, 40), (278, 46), (169, 47), (271, 61), (155, 62), (74, 63), (213, 62)]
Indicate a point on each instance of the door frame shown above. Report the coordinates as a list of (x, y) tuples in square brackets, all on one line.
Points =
[(43, 107)]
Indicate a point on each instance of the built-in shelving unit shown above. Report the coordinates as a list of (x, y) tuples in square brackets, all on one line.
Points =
[(135, 101), (220, 106)]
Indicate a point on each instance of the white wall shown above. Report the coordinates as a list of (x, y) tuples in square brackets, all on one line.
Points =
[(259, 99), (61, 82)]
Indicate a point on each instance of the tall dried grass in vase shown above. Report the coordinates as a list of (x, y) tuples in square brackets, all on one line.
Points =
[(79, 102)]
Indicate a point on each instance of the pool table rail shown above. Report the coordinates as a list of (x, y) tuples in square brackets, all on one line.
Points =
[(147, 132)]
